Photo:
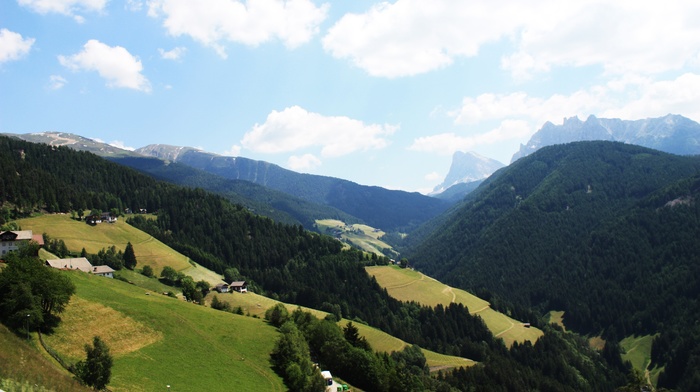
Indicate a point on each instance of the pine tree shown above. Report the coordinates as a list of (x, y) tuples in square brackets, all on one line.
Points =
[(129, 257)]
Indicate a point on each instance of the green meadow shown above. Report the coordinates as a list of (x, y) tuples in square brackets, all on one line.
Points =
[(255, 305), (149, 251), (409, 285), (362, 236), (637, 350), (157, 340)]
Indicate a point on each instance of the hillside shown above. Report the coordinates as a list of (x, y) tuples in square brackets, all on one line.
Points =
[(152, 335), (408, 285), (149, 251), (378, 207), (293, 265), (605, 231)]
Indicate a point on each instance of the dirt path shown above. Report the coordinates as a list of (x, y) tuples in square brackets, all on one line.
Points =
[(504, 331)]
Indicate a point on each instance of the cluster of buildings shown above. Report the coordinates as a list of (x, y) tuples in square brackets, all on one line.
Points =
[(12, 240)]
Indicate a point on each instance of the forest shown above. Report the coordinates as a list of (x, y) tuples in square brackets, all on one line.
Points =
[(297, 266), (606, 232)]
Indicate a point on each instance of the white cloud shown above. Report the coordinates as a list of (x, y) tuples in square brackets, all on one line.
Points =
[(304, 163), (410, 37), (13, 46), (113, 63), (294, 129), (215, 22), (56, 82), (134, 5), (173, 54), (65, 7), (521, 105), (120, 144), (630, 97), (234, 151), (448, 143)]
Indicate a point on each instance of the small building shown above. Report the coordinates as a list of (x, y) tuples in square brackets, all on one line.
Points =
[(79, 263), (221, 288), (107, 217), (239, 286), (103, 270), (12, 240)]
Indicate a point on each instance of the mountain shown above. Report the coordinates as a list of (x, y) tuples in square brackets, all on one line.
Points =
[(467, 167), (672, 133), (605, 231), (389, 210), (296, 266), (263, 201)]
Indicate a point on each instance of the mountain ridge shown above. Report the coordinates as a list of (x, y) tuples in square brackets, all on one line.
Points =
[(672, 133)]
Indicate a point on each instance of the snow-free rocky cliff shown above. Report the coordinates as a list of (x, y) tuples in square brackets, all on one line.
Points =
[(672, 133)]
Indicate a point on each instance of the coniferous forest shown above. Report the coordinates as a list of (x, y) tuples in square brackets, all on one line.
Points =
[(297, 266)]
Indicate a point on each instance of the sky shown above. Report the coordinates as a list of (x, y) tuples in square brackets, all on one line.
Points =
[(379, 93)]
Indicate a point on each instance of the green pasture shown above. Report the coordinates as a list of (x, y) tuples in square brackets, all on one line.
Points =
[(157, 340), (149, 251), (409, 285), (255, 305), (362, 236), (637, 350), (556, 317)]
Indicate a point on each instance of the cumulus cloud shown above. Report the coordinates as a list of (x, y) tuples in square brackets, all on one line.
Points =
[(448, 143), (65, 7), (294, 129), (410, 37), (252, 22), (303, 163), (56, 82), (13, 46), (173, 54), (629, 97), (113, 63)]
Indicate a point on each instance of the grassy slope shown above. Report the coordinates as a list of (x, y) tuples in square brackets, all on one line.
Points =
[(149, 251), (21, 362), (157, 340), (255, 305), (367, 239), (410, 285), (637, 350)]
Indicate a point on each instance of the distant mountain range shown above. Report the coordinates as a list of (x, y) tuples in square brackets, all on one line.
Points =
[(266, 188), (672, 133)]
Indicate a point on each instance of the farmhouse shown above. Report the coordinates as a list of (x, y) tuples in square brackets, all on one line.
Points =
[(103, 270), (80, 263), (239, 286), (12, 240), (221, 287)]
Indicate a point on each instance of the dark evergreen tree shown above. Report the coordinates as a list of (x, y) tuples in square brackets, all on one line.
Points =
[(129, 257)]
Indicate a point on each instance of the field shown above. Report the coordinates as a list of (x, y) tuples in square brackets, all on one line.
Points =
[(256, 305), (557, 317), (637, 350), (23, 368), (364, 237), (157, 340), (149, 251), (409, 285)]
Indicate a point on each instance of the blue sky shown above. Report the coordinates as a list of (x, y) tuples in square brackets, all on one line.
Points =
[(376, 93)]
